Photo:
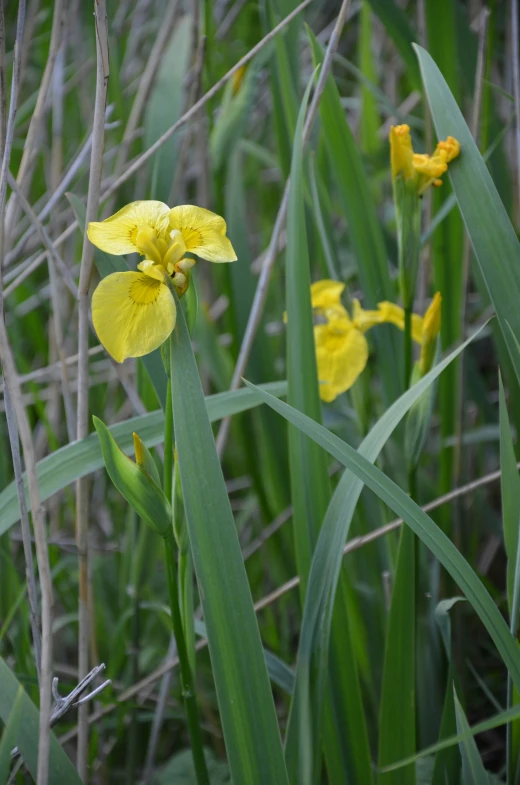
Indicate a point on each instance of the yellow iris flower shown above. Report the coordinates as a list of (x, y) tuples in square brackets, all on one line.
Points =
[(431, 329), (423, 170), (341, 346), (134, 312)]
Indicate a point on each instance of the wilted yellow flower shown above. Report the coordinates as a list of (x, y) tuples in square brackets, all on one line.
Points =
[(134, 312), (431, 329), (423, 170), (341, 346)]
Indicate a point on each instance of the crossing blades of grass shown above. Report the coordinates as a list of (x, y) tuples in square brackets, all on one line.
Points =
[(493, 722), (61, 768), (312, 659), (492, 235), (310, 486), (473, 771), (244, 696), (78, 459), (434, 539)]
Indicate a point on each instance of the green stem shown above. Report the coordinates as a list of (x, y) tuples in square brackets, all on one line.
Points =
[(407, 345), (168, 444), (188, 686)]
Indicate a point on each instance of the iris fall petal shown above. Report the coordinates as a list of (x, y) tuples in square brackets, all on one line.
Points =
[(341, 357), (133, 314)]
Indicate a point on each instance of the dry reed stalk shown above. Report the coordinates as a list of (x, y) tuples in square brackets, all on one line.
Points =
[(82, 485)]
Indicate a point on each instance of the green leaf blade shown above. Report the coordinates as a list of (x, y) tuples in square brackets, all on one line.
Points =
[(244, 695)]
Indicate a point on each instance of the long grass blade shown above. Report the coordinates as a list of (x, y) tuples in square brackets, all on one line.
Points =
[(245, 701), (434, 539)]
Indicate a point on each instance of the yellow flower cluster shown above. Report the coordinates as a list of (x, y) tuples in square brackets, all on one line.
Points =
[(423, 170), (341, 346), (134, 312)]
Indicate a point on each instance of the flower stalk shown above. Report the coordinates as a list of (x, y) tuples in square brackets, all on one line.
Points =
[(187, 681)]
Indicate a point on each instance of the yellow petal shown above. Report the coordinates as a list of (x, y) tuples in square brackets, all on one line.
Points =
[(326, 293), (430, 166), (117, 234), (203, 232), (394, 314), (133, 314), (156, 271), (341, 357), (432, 318), (451, 147), (401, 151), (364, 320)]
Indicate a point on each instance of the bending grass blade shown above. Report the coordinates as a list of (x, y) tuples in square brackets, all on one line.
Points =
[(473, 771), (510, 486), (434, 539), (492, 235), (245, 701), (64, 466), (310, 485), (493, 722), (61, 768), (313, 652)]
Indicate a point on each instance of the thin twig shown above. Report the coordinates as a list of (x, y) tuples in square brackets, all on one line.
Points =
[(32, 140), (145, 84), (82, 501), (192, 112), (262, 287), (143, 158), (26, 532), (20, 418), (42, 554), (145, 684), (55, 261)]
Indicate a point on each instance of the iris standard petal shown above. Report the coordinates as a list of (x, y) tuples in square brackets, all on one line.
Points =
[(341, 357), (203, 232), (117, 234), (133, 314), (326, 293), (401, 151)]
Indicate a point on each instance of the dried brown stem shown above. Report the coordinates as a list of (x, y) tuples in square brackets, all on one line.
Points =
[(82, 500)]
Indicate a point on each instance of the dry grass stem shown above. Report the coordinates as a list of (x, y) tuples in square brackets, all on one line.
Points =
[(82, 485)]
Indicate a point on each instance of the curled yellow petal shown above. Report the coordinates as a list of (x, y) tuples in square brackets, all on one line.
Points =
[(152, 269), (133, 314), (430, 166), (341, 355), (326, 293), (118, 234), (431, 329), (450, 147), (364, 320), (401, 152), (394, 314), (203, 232)]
